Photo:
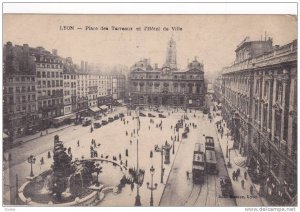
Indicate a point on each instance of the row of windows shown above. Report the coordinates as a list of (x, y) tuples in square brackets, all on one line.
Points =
[(69, 77), (19, 99), (174, 77), (51, 93), (22, 89), (46, 103), (49, 83), (43, 65), (19, 79), (49, 74)]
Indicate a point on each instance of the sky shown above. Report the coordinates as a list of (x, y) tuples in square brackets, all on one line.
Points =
[(211, 38)]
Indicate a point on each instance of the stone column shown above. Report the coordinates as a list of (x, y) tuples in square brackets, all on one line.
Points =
[(273, 110), (292, 111)]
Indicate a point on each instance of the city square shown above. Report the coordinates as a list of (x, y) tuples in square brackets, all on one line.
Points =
[(151, 119)]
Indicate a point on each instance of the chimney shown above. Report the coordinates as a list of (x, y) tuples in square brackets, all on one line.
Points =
[(82, 66), (25, 47), (85, 66), (54, 52)]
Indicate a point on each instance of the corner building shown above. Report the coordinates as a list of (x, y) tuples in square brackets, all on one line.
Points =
[(259, 98), (167, 86)]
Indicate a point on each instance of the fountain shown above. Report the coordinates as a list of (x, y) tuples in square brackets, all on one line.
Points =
[(67, 183)]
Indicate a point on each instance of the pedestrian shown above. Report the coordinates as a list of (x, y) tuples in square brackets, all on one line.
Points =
[(242, 183), (132, 186), (187, 175), (149, 127), (126, 152), (238, 172), (42, 161), (78, 143), (251, 189), (125, 162), (49, 154), (95, 144), (130, 141), (95, 153), (69, 150), (120, 156), (151, 154), (233, 175), (41, 133), (9, 157), (245, 175)]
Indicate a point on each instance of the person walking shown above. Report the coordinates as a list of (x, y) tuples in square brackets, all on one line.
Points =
[(242, 183), (187, 175), (233, 175), (245, 175), (251, 189), (78, 144)]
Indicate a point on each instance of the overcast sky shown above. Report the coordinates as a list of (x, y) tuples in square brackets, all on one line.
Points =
[(212, 38)]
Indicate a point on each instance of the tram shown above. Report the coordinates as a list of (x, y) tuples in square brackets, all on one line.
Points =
[(211, 162), (209, 143), (198, 170)]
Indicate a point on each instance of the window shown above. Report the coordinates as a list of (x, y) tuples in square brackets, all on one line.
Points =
[(279, 92), (17, 89), (33, 88), (23, 79), (23, 89), (48, 74), (38, 74), (17, 79), (44, 74), (52, 75), (28, 89), (56, 73), (11, 89)]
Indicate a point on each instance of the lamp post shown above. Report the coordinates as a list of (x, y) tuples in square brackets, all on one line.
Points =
[(152, 170), (161, 150), (137, 198), (31, 159), (98, 170), (227, 149), (173, 150), (229, 163)]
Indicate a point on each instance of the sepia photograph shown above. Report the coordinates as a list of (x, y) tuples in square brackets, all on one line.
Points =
[(188, 110)]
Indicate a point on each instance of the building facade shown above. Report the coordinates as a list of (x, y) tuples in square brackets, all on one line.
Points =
[(19, 91), (167, 86), (69, 81), (259, 98)]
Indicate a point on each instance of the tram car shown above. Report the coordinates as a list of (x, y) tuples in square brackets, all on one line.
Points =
[(198, 170), (209, 143), (210, 162)]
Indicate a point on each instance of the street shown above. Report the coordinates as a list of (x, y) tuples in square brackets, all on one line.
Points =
[(181, 191)]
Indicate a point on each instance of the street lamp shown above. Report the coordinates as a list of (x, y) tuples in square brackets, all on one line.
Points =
[(173, 150), (31, 159), (152, 170), (98, 170), (227, 149)]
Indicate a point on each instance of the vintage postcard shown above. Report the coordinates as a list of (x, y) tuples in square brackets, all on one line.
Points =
[(149, 110)]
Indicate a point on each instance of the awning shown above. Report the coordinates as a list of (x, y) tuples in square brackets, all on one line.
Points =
[(62, 118), (4, 136), (94, 109), (103, 107)]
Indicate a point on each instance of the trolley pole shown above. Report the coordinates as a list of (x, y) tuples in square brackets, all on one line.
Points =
[(162, 165)]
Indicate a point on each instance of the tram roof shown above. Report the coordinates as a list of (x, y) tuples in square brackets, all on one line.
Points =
[(210, 156), (199, 148)]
